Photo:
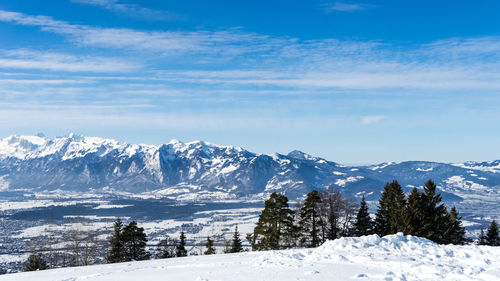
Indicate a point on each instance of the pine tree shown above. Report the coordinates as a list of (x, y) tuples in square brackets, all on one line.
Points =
[(492, 235), (35, 262), (435, 215), (364, 224), (210, 247), (167, 248), (236, 246), (181, 247), (310, 220), (390, 217), (455, 232), (116, 252), (482, 239), (414, 214), (382, 215), (333, 231), (275, 225), (134, 242)]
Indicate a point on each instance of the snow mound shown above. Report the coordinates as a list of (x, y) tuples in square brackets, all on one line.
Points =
[(397, 257), (397, 243), (393, 257)]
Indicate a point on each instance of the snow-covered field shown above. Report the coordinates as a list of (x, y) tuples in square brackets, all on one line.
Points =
[(393, 257)]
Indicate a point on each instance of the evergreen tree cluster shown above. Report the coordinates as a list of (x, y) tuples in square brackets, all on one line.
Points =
[(420, 214), (492, 237), (326, 215), (35, 262), (320, 216), (127, 243)]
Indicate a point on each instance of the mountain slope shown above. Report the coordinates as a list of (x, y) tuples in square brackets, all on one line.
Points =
[(199, 170)]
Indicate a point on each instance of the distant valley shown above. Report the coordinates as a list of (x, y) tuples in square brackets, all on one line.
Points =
[(52, 185)]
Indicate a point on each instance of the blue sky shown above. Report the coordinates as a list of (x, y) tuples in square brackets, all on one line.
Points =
[(354, 82)]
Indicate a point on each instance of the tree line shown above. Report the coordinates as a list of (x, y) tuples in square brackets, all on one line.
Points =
[(322, 215), (326, 215), (129, 243)]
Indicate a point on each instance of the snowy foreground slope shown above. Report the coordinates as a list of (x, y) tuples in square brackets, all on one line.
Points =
[(393, 257)]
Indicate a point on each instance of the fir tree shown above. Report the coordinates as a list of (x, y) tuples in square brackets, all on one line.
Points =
[(482, 239), (275, 225), (181, 247), (210, 247), (455, 232), (396, 221), (492, 235), (382, 215), (134, 242), (167, 248), (35, 262), (390, 218), (414, 215), (333, 231), (116, 252), (236, 246), (310, 220), (364, 224), (435, 215)]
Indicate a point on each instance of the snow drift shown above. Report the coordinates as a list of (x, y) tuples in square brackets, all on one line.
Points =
[(393, 257)]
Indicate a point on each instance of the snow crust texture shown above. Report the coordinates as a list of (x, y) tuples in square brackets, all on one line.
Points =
[(393, 257)]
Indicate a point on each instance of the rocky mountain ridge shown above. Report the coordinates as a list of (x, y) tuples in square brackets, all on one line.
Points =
[(201, 170)]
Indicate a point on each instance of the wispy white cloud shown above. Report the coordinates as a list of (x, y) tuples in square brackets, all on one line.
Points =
[(131, 10), (265, 62), (345, 7), (41, 81), (30, 59), (401, 77), (368, 120), (77, 117), (224, 43)]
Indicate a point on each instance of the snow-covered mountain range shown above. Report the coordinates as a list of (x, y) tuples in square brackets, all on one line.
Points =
[(200, 170)]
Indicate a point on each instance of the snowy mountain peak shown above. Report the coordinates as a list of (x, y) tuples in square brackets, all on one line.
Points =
[(29, 147), (199, 169), (297, 154)]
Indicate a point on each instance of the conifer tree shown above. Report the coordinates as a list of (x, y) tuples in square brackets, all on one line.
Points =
[(35, 262), (236, 245), (310, 220), (414, 215), (482, 239), (134, 242), (492, 235), (275, 224), (455, 232), (181, 247), (210, 247), (116, 252), (435, 215), (364, 224), (390, 217), (333, 231)]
